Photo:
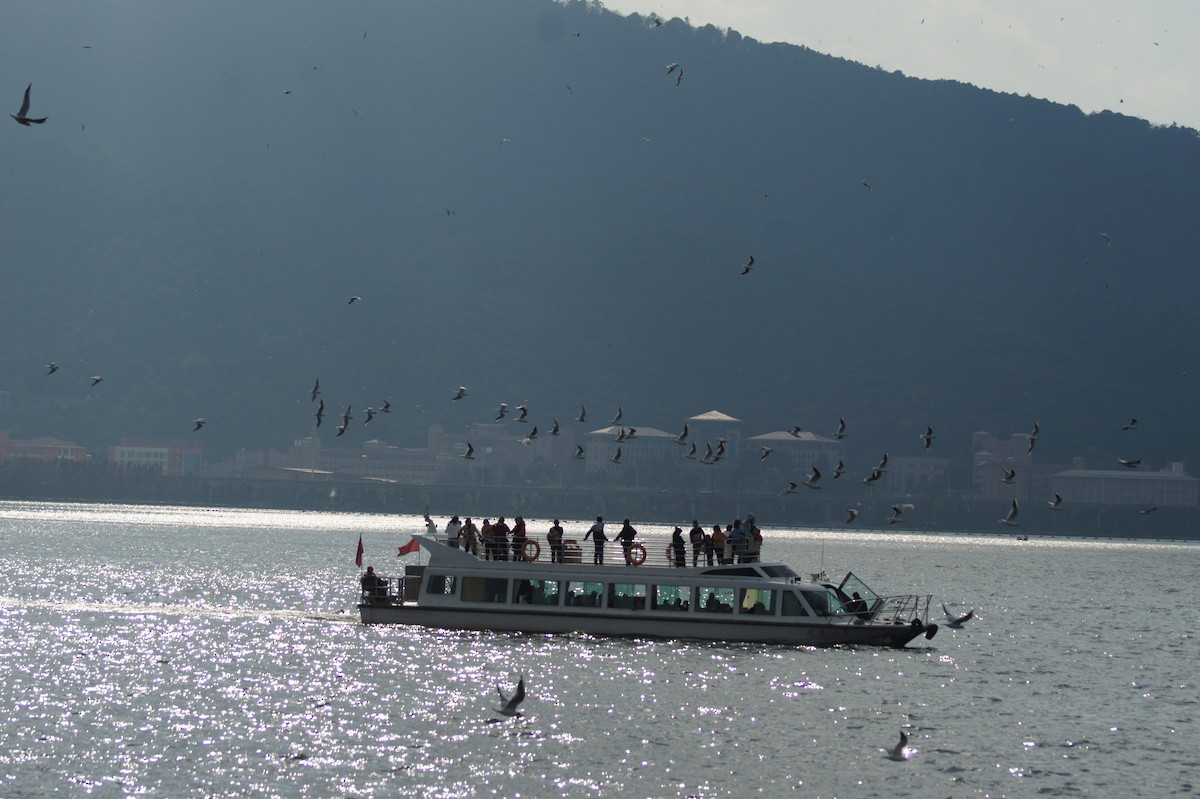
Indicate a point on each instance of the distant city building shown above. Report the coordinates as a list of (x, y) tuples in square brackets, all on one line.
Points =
[(172, 457), (1170, 487), (43, 449), (992, 456)]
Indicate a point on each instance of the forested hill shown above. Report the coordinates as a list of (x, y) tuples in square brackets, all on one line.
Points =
[(529, 204)]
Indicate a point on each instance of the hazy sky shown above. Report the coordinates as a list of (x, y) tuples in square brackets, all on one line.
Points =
[(1090, 53)]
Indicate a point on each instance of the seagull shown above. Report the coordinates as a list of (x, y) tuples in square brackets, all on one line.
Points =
[(370, 415), (1107, 240), (1009, 476), (851, 515), (621, 435), (554, 428), (895, 517), (708, 453), (765, 452), (837, 470), (582, 417), (749, 265), (1036, 429), (470, 453), (462, 392), (720, 453), (901, 751), (199, 424), (882, 467), (1032, 444), (529, 439), (316, 389), (868, 185), (791, 488), (691, 453), (1132, 425), (387, 407), (631, 432), (873, 477), (523, 414), (503, 409), (813, 478), (1011, 519), (51, 368), (320, 414), (1133, 464), (96, 379), (841, 430), (353, 300), (672, 67), (616, 458), (346, 417), (341, 429), (681, 439), (22, 115), (957, 621), (1148, 511), (927, 436), (1055, 503), (620, 412), (795, 432), (579, 452), (510, 705), (679, 78)]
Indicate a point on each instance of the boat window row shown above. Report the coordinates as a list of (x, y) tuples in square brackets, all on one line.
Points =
[(637, 596)]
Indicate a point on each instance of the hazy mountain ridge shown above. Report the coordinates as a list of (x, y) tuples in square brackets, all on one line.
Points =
[(200, 253)]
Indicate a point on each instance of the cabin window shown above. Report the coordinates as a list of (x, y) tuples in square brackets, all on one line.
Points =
[(441, 584), (824, 603), (714, 600), (792, 606), (544, 592), (484, 589), (758, 602), (627, 596), (584, 594), (778, 571), (672, 597)]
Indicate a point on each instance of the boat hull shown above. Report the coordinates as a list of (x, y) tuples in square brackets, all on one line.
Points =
[(739, 629)]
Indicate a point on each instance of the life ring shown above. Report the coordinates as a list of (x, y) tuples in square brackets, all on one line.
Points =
[(637, 554), (532, 550)]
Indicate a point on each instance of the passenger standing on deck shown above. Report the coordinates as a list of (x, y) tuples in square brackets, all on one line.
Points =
[(500, 536), (518, 539), (453, 528), (431, 529), (737, 540), (489, 545), (719, 539), (626, 537), (554, 538), (678, 551), (696, 536), (708, 549), (470, 537), (753, 540), (596, 533)]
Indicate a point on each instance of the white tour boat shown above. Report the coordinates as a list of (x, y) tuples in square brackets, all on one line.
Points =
[(742, 602)]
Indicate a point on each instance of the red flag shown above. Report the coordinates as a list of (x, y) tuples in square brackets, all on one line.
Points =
[(409, 548), (358, 554)]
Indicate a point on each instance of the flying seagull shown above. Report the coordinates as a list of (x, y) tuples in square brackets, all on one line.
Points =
[(341, 429), (882, 467), (522, 413), (554, 427), (616, 458), (370, 415), (851, 515), (1035, 431), (96, 379), (928, 436), (470, 453), (529, 439), (1133, 464), (1148, 511), (814, 477), (748, 266), (1106, 238), (895, 516), (199, 423), (387, 407), (1009, 476), (691, 453), (765, 452), (22, 116), (346, 417), (794, 432), (503, 409), (582, 417), (1055, 503), (681, 439), (510, 705), (957, 621), (316, 389), (672, 67), (868, 185), (837, 470), (462, 392), (1132, 425), (791, 488), (579, 452), (320, 414), (679, 77), (353, 300), (841, 430), (1011, 519), (620, 412), (51, 368), (873, 477)]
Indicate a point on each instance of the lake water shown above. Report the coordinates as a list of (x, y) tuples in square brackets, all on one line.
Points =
[(187, 652)]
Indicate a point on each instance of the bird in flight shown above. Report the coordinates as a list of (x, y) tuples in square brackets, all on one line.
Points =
[(509, 706), (522, 413), (794, 432), (616, 458), (1148, 511), (51, 368), (620, 412), (22, 116), (387, 407), (765, 452), (679, 77), (681, 439), (691, 453), (841, 429), (791, 488), (882, 467), (1055, 503), (1130, 425), (96, 379), (1133, 464), (928, 436), (529, 439), (1009, 476), (579, 452), (462, 392), (346, 417), (868, 185), (320, 413), (470, 453), (851, 515), (554, 427), (957, 621), (895, 516), (748, 266), (582, 417), (1106, 238), (873, 477), (199, 423), (353, 300), (672, 67), (837, 470), (370, 416), (1011, 519), (316, 389), (814, 477), (503, 409)]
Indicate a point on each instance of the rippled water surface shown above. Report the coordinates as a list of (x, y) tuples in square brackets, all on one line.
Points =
[(186, 652)]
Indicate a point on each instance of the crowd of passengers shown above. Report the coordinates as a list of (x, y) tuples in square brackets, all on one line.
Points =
[(739, 542)]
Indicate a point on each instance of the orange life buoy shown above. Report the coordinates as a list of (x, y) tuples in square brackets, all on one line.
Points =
[(532, 550), (637, 554)]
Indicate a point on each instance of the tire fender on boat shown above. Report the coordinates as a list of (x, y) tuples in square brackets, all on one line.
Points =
[(637, 554), (532, 550)]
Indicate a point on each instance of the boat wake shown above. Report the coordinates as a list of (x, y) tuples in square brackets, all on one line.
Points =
[(113, 608)]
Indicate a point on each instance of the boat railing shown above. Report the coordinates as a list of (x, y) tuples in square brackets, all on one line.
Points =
[(903, 608), (643, 552)]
